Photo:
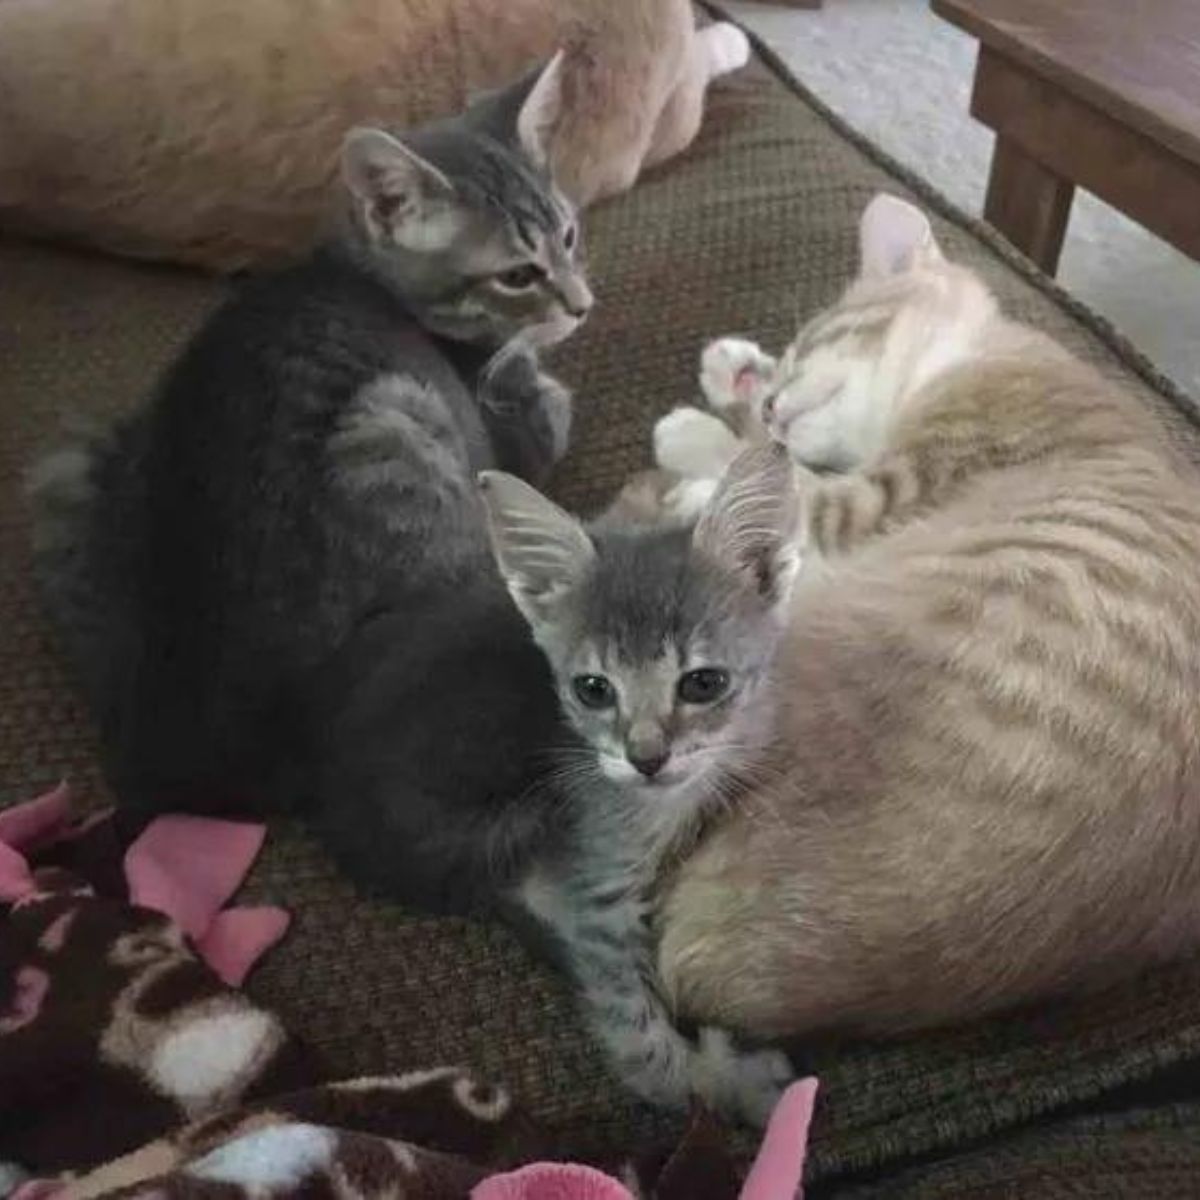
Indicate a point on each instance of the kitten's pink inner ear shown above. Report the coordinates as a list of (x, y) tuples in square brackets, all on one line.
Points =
[(894, 237)]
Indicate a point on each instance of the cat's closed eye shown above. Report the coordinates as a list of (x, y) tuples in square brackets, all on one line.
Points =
[(519, 279), (705, 685)]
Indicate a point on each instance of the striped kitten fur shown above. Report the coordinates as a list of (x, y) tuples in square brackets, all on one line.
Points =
[(982, 781)]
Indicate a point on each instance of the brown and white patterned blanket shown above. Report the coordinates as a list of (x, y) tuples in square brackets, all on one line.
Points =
[(131, 1066)]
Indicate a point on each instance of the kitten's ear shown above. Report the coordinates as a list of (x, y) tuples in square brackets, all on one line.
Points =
[(749, 526), (541, 112), (541, 551), (894, 237), (404, 198)]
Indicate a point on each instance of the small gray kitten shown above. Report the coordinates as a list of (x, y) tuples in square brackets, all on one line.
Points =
[(274, 580), (661, 641)]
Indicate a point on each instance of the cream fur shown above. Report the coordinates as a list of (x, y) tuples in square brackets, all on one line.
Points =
[(982, 785), (207, 131)]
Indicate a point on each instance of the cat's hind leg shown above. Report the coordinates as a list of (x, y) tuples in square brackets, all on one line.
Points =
[(716, 50)]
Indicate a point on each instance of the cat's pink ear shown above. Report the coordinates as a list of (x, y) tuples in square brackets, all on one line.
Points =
[(541, 113), (402, 196), (894, 237)]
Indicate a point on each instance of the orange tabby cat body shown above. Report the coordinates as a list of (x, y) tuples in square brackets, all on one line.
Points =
[(207, 131), (983, 783)]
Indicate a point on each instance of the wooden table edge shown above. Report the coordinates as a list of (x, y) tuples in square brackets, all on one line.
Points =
[(962, 14)]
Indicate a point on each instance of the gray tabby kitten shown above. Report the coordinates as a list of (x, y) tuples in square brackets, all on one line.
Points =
[(661, 640), (274, 581)]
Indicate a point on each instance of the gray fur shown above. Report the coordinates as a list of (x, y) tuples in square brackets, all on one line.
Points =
[(642, 606), (274, 580), (439, 213)]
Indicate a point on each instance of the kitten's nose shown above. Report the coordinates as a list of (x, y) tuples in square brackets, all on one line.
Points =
[(577, 298), (648, 764)]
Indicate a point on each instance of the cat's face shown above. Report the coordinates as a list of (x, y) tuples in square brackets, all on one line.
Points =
[(463, 218), (660, 639), (908, 315)]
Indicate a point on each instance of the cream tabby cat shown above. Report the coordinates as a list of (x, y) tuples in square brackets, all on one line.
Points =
[(207, 131), (985, 781), (968, 772)]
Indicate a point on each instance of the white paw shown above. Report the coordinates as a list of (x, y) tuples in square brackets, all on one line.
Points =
[(728, 48), (694, 444), (745, 1084), (688, 499), (734, 372)]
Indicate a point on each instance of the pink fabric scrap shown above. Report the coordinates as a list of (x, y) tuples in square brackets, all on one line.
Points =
[(776, 1174), (552, 1181), (39, 1189), (184, 867), (778, 1168), (188, 867), (29, 827)]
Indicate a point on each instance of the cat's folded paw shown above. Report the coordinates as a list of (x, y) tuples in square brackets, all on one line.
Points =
[(694, 444), (557, 407), (742, 1084), (734, 373)]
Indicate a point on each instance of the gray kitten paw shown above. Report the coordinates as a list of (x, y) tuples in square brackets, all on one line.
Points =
[(557, 409), (741, 1084)]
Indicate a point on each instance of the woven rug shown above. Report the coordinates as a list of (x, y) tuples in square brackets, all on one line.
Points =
[(750, 230)]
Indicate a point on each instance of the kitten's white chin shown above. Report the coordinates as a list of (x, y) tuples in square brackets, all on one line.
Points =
[(540, 337), (669, 784)]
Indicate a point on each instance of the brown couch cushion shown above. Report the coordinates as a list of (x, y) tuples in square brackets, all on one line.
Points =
[(753, 228)]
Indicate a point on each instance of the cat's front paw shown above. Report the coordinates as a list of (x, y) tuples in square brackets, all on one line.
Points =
[(742, 1084), (557, 410), (735, 373), (694, 444)]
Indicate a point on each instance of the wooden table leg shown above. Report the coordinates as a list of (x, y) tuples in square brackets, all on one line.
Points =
[(1028, 203)]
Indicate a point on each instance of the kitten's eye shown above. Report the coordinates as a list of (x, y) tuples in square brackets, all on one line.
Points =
[(570, 237), (520, 279), (703, 686), (594, 691)]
